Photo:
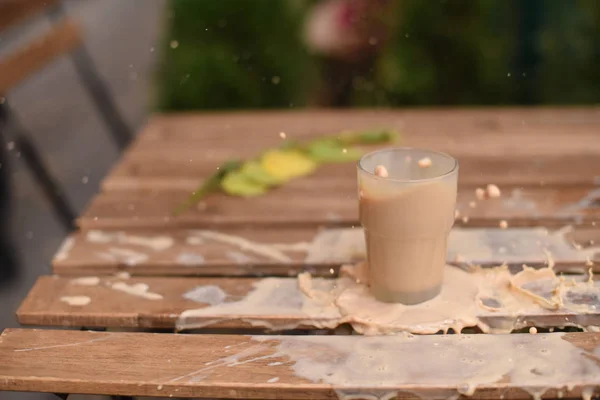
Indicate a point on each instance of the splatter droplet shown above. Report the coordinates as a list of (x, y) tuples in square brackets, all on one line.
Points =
[(380, 170), (425, 162), (493, 191)]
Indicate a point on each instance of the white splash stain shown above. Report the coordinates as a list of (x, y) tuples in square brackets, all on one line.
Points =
[(273, 380), (576, 208), (337, 245), (156, 243), (239, 257), (247, 355), (76, 300), (194, 240), (333, 216), (270, 296), (476, 245), (136, 289), (273, 364), (86, 281), (106, 256), (65, 248), (189, 259), (264, 250), (127, 256), (516, 201), (531, 245), (354, 365), (292, 247), (106, 336), (209, 294), (123, 275), (491, 299), (587, 393)]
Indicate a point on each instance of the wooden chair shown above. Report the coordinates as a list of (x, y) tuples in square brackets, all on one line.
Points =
[(65, 37)]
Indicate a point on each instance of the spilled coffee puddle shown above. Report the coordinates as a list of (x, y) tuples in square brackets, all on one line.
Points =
[(441, 367), (490, 299)]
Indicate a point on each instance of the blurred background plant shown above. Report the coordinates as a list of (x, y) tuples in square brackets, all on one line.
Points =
[(292, 53)]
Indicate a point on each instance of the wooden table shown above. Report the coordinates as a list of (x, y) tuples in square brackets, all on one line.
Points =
[(546, 162)]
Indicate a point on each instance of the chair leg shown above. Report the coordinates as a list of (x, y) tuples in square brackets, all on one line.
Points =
[(99, 93), (9, 259), (97, 89), (49, 185)]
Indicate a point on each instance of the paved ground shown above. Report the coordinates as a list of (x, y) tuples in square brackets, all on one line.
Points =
[(122, 37)]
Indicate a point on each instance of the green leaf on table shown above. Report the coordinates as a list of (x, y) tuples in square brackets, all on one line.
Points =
[(328, 151), (287, 164), (254, 171), (236, 183), (289, 144), (368, 137), (290, 160), (209, 185)]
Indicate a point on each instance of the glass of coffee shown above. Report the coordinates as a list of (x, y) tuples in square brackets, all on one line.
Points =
[(407, 199)]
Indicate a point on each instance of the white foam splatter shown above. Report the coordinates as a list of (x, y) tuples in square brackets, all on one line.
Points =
[(189, 259), (586, 202), (194, 240), (76, 300), (136, 289), (264, 250), (127, 256), (156, 243), (449, 364), (489, 298), (239, 257), (209, 294), (476, 245), (270, 296), (86, 281), (517, 201)]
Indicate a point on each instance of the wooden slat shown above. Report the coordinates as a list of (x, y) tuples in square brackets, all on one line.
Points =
[(285, 367), (503, 146), (187, 253), (336, 204), (111, 308), (60, 39), (467, 131), (13, 12), (179, 173), (108, 307)]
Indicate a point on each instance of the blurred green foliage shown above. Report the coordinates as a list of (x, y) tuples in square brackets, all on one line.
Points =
[(249, 54)]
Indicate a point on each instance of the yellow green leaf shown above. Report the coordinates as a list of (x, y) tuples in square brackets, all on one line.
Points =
[(368, 137), (237, 184), (287, 164), (254, 171), (212, 183), (327, 151)]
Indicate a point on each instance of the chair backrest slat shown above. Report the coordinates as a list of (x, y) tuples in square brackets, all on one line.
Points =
[(13, 12), (60, 39)]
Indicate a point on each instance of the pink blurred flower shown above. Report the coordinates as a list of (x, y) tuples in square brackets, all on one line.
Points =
[(345, 29)]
